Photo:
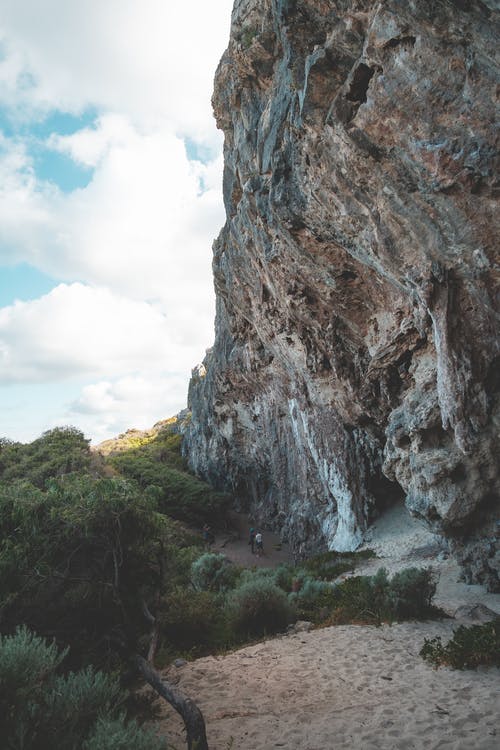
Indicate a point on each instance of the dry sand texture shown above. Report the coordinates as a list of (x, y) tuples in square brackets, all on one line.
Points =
[(350, 687), (341, 688)]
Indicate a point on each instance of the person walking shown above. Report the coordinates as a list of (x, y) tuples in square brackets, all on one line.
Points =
[(208, 536), (259, 544), (251, 540)]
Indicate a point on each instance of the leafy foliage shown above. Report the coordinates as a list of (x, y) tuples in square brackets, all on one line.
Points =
[(329, 565), (57, 452), (213, 572), (158, 462), (41, 709), (259, 607), (468, 648), (312, 599), (78, 559), (377, 598), (192, 621)]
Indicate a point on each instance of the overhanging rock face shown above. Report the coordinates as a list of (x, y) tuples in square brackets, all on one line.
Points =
[(356, 352)]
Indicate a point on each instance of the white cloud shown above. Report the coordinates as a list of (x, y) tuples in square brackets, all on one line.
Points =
[(143, 225), (77, 330), (138, 236), (134, 401), (152, 60), (26, 211)]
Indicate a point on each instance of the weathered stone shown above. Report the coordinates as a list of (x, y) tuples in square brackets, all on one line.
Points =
[(356, 352), (301, 626), (475, 613)]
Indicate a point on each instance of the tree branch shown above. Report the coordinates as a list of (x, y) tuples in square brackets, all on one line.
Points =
[(189, 711)]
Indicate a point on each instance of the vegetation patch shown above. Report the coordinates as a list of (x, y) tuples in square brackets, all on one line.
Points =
[(41, 708), (259, 607), (57, 452), (377, 599), (94, 556), (329, 565), (469, 647), (158, 462)]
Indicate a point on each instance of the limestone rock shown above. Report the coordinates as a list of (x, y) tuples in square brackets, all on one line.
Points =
[(356, 354), (475, 613), (301, 626)]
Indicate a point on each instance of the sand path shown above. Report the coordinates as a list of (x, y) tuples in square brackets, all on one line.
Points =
[(236, 548), (350, 687)]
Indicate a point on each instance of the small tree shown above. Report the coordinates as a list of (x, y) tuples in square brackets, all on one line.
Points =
[(41, 709)]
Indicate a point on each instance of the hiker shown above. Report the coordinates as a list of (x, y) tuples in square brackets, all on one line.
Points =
[(208, 536), (251, 540), (259, 543)]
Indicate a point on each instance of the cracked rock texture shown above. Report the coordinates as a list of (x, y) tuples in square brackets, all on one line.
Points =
[(356, 354)]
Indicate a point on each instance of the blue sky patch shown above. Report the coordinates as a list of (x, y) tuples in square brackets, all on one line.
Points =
[(29, 409), (62, 123), (23, 282), (49, 165), (198, 152), (53, 166)]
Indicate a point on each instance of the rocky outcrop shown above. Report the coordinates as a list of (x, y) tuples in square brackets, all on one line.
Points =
[(356, 354)]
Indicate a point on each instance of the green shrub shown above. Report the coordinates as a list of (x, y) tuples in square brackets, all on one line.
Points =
[(248, 34), (76, 560), (259, 607), (468, 648), (284, 576), (377, 599), (329, 565), (191, 621), (181, 495), (250, 575), (310, 592), (113, 734), (411, 592), (312, 596), (41, 709), (213, 572), (60, 451)]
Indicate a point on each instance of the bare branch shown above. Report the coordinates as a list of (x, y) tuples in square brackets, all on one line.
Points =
[(189, 711)]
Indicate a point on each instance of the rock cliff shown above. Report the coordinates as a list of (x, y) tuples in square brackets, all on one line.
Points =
[(356, 361)]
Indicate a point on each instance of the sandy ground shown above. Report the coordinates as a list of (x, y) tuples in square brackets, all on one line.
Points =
[(236, 548), (356, 687)]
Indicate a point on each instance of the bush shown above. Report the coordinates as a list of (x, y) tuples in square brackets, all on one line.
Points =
[(41, 709), (60, 451), (284, 576), (468, 648), (311, 590), (377, 599), (411, 592), (329, 565), (113, 734), (158, 462), (76, 560), (191, 620), (213, 572), (259, 607)]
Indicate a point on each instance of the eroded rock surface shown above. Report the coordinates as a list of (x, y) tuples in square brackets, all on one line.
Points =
[(356, 354)]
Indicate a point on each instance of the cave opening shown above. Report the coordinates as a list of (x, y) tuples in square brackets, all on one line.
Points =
[(386, 493)]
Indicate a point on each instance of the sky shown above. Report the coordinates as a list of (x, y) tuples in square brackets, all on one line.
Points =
[(110, 199)]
